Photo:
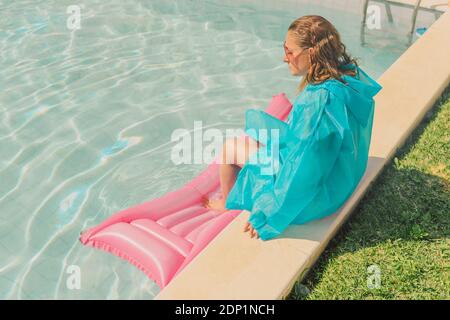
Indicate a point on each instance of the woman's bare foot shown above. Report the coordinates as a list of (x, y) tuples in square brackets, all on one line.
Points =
[(215, 204)]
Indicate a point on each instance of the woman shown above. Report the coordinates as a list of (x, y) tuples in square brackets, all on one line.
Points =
[(322, 148)]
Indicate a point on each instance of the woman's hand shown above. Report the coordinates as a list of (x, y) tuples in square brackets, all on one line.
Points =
[(253, 232)]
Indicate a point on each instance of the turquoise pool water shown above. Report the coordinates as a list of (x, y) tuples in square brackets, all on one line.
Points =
[(87, 116)]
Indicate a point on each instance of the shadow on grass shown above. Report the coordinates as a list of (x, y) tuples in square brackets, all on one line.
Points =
[(403, 204)]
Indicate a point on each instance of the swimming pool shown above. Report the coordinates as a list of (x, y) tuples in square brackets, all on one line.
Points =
[(87, 116)]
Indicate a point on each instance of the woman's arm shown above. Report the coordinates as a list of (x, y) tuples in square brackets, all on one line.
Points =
[(259, 126)]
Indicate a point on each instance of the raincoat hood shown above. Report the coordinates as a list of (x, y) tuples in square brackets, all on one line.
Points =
[(357, 95)]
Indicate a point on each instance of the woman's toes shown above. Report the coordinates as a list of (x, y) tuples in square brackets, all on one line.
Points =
[(216, 204), (204, 201)]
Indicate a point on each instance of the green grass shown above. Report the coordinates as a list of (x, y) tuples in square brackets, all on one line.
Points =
[(402, 225)]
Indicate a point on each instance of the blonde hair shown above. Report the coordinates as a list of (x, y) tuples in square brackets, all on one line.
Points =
[(328, 55)]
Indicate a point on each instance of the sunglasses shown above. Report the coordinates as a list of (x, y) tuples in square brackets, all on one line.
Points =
[(289, 52)]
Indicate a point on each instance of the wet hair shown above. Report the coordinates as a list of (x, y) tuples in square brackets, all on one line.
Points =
[(328, 55)]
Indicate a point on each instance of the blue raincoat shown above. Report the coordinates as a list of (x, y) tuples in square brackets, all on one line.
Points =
[(315, 162)]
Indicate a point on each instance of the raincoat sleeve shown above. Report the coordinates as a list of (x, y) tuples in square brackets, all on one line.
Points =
[(309, 160), (260, 125)]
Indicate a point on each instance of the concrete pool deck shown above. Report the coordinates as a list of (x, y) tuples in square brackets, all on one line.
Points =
[(234, 266)]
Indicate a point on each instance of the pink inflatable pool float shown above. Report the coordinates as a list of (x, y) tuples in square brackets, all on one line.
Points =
[(164, 235)]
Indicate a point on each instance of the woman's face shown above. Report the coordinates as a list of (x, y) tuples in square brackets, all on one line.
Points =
[(297, 58)]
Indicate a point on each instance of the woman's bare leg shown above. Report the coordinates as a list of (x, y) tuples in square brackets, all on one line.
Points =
[(228, 174), (235, 153)]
